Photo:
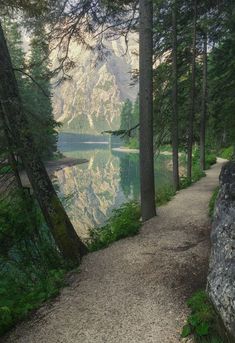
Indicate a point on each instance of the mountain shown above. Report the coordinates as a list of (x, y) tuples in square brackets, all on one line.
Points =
[(91, 101)]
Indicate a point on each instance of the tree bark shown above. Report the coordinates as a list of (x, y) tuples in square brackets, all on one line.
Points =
[(147, 185), (9, 147), (175, 138), (193, 94), (204, 108), (58, 222)]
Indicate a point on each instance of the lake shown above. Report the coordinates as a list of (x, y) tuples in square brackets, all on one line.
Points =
[(110, 178)]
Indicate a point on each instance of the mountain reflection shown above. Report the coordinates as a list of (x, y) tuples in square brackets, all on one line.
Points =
[(109, 179)]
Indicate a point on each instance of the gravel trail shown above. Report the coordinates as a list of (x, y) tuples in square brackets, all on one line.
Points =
[(135, 290)]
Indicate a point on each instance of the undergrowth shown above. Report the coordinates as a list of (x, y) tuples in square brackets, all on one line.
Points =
[(164, 194), (197, 172), (226, 153), (31, 267), (124, 222), (213, 201), (202, 323)]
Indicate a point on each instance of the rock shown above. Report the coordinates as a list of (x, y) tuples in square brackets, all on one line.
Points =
[(221, 278), (91, 101)]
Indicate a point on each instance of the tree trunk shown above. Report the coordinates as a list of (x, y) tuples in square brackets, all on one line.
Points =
[(193, 94), (58, 222), (175, 138), (9, 147), (147, 186), (204, 108)]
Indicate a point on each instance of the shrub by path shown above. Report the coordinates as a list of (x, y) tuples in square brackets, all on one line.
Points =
[(135, 290)]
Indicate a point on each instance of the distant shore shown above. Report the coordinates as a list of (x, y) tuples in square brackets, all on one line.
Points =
[(64, 162), (124, 149), (136, 151), (53, 166)]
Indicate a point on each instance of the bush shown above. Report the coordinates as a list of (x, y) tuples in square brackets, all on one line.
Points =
[(210, 160), (203, 320), (197, 172), (31, 267), (164, 194), (124, 222), (226, 153), (213, 201)]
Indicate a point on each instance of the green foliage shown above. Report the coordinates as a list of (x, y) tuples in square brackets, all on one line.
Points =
[(129, 119), (35, 96), (31, 268), (197, 172), (221, 87), (210, 159), (213, 201), (5, 169), (19, 298), (202, 322), (124, 222), (164, 194), (227, 153), (133, 143)]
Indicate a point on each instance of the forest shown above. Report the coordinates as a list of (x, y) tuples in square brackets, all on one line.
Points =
[(184, 109)]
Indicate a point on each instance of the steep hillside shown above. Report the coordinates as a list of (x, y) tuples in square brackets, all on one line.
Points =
[(91, 101)]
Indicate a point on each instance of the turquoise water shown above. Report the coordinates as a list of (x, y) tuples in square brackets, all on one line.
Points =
[(109, 179)]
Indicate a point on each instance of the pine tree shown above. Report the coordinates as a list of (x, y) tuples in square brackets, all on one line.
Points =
[(38, 103), (58, 222), (147, 184)]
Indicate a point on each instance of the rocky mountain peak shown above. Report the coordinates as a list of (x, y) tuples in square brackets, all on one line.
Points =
[(91, 101)]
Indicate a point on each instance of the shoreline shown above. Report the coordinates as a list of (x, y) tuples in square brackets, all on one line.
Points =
[(54, 166), (136, 151)]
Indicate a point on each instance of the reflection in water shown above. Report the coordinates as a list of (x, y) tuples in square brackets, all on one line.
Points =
[(104, 183)]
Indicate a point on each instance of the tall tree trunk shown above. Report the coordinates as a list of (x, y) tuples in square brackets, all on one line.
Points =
[(147, 186), (193, 94), (58, 222), (9, 147), (204, 107), (175, 138)]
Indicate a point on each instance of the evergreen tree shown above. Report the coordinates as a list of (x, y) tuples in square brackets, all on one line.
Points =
[(38, 103), (147, 184), (126, 118), (58, 222)]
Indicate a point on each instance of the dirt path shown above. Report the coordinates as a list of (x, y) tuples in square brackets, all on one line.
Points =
[(135, 290)]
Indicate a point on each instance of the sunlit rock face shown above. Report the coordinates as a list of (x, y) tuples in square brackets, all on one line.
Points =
[(92, 100)]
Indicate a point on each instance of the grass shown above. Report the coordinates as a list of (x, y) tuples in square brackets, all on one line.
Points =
[(226, 153), (164, 194), (213, 201), (124, 222), (203, 321)]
